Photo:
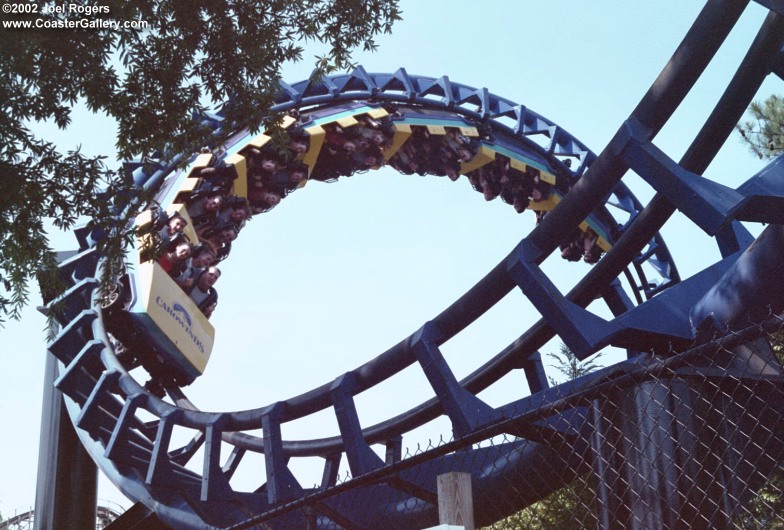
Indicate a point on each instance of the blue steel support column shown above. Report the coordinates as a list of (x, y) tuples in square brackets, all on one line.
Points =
[(67, 487), (603, 439), (652, 468), (686, 450)]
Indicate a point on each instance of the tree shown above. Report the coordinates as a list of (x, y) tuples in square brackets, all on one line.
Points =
[(193, 55), (764, 132), (569, 508), (569, 365), (765, 511)]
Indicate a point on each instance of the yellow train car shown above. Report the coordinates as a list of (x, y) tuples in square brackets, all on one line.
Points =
[(155, 320), (168, 333)]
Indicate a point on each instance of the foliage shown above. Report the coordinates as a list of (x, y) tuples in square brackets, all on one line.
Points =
[(152, 82), (766, 509), (777, 343), (569, 508), (764, 132), (569, 365)]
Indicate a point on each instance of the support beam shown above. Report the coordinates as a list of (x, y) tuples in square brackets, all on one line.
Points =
[(67, 488), (466, 411)]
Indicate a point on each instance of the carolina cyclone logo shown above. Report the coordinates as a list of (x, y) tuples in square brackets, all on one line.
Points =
[(177, 307), (183, 318)]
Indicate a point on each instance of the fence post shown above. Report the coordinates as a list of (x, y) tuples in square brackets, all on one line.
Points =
[(455, 500)]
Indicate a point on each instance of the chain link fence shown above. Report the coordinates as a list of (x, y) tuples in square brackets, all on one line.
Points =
[(692, 440)]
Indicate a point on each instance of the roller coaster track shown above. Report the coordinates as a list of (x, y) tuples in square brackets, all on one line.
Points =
[(140, 457), (26, 520)]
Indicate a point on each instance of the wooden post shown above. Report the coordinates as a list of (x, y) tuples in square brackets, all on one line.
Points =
[(455, 500)]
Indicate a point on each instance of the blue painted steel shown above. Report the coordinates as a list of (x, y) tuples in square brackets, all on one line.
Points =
[(663, 321), (582, 331), (99, 399), (215, 485), (708, 204), (70, 340), (534, 373), (764, 195), (159, 472), (88, 360), (773, 5), (175, 491), (465, 410), (117, 447), (67, 477), (281, 484), (750, 291), (361, 458)]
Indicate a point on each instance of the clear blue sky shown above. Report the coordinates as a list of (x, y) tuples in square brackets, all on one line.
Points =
[(338, 273)]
